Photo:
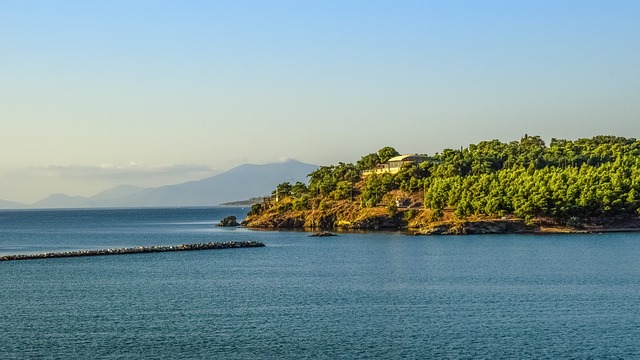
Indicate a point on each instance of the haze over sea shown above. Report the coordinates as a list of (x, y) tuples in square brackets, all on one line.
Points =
[(358, 295)]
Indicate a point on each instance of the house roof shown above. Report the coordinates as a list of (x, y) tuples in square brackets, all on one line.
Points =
[(408, 157)]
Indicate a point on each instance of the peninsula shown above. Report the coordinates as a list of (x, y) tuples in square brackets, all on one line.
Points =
[(584, 185)]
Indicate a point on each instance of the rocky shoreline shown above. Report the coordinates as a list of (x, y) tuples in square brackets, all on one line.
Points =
[(377, 219), (137, 250)]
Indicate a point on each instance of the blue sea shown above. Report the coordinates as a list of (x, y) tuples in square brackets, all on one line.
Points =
[(354, 296)]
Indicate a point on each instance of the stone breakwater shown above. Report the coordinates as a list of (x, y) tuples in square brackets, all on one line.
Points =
[(137, 250)]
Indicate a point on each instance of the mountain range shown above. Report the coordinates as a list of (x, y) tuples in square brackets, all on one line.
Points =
[(240, 183)]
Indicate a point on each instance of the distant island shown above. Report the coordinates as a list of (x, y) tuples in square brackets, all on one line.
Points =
[(585, 185), (249, 202)]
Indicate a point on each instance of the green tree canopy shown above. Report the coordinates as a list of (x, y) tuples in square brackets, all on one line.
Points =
[(387, 153), (567, 179)]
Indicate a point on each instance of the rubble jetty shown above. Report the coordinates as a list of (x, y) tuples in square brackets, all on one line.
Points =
[(137, 250)]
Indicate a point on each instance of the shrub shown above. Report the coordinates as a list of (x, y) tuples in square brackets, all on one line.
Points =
[(436, 214), (392, 209), (324, 204), (575, 222), (256, 209), (284, 207), (409, 214), (301, 203)]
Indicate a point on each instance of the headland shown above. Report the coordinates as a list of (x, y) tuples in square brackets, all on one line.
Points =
[(579, 186)]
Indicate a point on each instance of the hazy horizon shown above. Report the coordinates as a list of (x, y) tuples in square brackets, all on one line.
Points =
[(148, 93), (161, 182)]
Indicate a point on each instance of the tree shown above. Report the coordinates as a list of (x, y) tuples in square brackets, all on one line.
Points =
[(387, 153), (368, 162), (282, 189), (374, 188), (299, 190), (322, 181)]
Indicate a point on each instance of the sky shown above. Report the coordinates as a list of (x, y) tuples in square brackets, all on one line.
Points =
[(99, 93)]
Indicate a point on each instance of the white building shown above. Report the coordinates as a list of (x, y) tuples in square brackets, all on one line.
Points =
[(396, 163)]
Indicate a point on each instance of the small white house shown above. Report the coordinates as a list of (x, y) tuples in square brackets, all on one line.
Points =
[(395, 164)]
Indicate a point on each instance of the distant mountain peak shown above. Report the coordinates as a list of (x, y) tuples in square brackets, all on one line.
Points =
[(116, 192), (61, 201), (241, 182), (4, 204), (287, 159)]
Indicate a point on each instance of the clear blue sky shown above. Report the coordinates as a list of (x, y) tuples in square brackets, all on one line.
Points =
[(99, 93)]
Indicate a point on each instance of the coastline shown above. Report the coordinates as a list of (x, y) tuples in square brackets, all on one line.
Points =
[(345, 219)]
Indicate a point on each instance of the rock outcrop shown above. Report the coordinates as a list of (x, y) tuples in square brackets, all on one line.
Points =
[(478, 227), (229, 221), (323, 234)]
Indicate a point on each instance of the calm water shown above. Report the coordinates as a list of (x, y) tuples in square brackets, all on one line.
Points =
[(352, 296)]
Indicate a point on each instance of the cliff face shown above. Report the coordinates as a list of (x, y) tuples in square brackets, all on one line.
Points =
[(337, 215), (479, 227), (349, 215)]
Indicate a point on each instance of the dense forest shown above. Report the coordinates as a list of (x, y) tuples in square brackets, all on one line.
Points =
[(570, 181)]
